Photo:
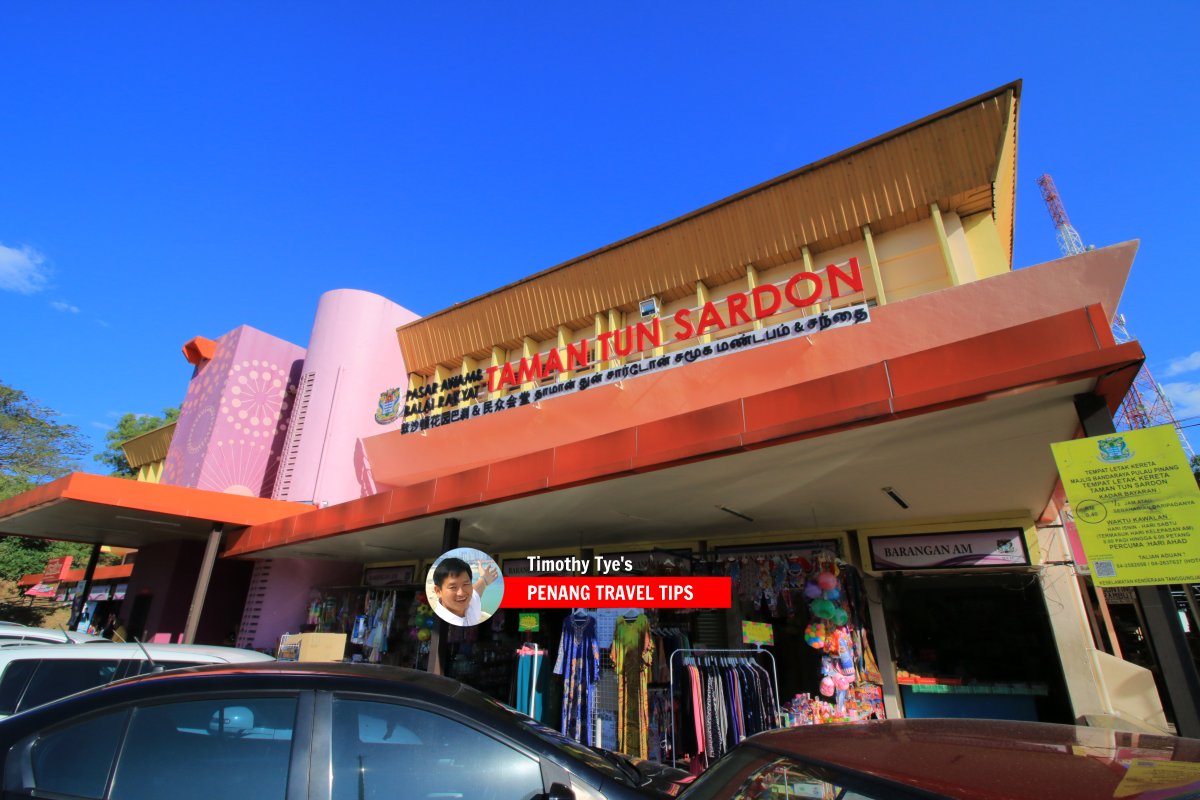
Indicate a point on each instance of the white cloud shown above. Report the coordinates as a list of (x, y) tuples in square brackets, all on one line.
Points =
[(23, 270), (1186, 364), (101, 426), (103, 324), (60, 305), (1185, 398)]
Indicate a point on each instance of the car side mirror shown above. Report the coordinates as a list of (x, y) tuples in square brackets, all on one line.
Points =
[(560, 791)]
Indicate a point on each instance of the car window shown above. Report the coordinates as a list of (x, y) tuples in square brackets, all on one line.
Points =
[(213, 749), (610, 769), (751, 774), (12, 684), (383, 750), (60, 677), (74, 759)]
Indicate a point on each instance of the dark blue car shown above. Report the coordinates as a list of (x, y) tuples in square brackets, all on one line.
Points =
[(280, 731)]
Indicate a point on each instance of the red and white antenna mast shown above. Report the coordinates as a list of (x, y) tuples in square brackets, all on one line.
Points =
[(1145, 405), (1068, 238)]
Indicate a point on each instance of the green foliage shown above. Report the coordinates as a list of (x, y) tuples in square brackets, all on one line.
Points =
[(20, 556), (34, 447), (129, 427)]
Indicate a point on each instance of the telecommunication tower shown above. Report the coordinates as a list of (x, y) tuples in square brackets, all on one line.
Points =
[(1145, 405), (1068, 238)]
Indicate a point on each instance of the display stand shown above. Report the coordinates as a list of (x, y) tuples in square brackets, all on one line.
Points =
[(701, 654)]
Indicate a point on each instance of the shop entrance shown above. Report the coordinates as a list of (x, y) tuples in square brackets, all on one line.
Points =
[(975, 646)]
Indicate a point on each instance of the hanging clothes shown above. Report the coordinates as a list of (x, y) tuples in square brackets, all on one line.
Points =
[(380, 616), (661, 711), (729, 699), (532, 663), (632, 654), (578, 662)]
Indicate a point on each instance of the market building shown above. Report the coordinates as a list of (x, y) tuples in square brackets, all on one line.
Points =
[(834, 388)]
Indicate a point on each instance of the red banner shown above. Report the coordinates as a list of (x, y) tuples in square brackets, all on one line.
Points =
[(55, 567), (646, 592)]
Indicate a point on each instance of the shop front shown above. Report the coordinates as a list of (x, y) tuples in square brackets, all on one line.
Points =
[(968, 625), (805, 390)]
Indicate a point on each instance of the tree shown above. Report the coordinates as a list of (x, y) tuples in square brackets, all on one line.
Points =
[(21, 556), (129, 427), (34, 447)]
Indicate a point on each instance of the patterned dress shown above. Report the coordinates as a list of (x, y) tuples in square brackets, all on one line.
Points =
[(632, 652), (579, 663)]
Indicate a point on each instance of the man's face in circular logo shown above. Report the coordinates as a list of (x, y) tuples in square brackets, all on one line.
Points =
[(455, 593)]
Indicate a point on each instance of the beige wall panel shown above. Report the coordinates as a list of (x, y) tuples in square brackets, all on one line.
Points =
[(986, 250)]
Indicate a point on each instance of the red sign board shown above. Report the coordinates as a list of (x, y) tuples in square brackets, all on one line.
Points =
[(55, 568)]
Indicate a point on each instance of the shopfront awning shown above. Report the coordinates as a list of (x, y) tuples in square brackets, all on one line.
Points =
[(106, 510), (955, 431)]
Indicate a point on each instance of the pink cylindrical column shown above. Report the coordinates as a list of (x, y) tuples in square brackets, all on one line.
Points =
[(353, 357)]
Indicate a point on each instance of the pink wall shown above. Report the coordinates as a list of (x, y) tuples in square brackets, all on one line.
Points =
[(282, 590), (233, 422), (352, 358)]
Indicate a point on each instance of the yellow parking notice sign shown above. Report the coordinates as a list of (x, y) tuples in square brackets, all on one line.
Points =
[(1136, 504)]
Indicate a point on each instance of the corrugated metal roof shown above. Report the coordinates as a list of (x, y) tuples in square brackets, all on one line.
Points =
[(963, 158), (149, 447)]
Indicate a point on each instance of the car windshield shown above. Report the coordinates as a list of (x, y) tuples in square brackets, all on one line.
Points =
[(750, 772), (608, 767)]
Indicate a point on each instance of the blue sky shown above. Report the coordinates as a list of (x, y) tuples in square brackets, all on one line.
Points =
[(173, 171)]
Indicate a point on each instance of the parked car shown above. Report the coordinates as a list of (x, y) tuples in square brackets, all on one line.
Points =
[(32, 676), (954, 758), (12, 633), (298, 730)]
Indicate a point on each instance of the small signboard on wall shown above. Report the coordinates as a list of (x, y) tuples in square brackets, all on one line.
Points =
[(55, 567), (963, 549), (758, 633), (378, 577), (529, 622), (1119, 595)]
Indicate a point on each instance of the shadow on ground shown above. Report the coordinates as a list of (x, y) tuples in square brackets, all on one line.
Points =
[(41, 613)]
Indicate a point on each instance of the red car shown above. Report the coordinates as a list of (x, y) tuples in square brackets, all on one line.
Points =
[(954, 758)]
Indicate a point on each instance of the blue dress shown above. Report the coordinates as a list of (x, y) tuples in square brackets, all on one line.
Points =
[(579, 663)]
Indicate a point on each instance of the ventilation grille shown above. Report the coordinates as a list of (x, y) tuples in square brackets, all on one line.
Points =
[(710, 629), (256, 598), (291, 449)]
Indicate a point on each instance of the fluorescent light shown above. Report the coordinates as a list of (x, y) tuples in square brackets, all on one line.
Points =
[(167, 523)]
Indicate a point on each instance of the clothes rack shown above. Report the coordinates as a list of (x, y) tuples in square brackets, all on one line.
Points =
[(690, 656)]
